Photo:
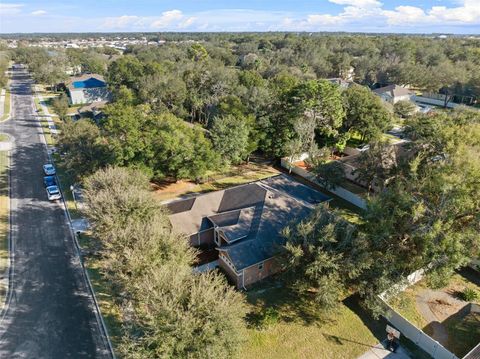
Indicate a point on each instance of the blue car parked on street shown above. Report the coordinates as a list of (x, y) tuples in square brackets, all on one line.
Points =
[(49, 181)]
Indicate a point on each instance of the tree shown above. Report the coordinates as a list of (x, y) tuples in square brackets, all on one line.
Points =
[(377, 165), (84, 147), (180, 150), (60, 106), (316, 256), (169, 311), (330, 174), (365, 113), (230, 138), (404, 109), (319, 100)]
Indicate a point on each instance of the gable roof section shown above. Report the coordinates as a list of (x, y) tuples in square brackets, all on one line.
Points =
[(86, 81), (250, 216), (393, 91)]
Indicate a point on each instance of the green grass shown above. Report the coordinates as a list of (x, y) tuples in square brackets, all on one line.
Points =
[(355, 140), (4, 137), (6, 109), (302, 329), (66, 181), (4, 215), (463, 333), (404, 303), (110, 311), (215, 181)]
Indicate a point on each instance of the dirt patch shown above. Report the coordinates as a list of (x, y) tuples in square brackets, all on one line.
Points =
[(167, 190)]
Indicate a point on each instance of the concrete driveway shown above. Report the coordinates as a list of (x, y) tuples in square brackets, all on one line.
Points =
[(379, 351), (49, 311)]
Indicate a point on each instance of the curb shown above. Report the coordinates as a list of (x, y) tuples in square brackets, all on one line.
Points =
[(98, 313)]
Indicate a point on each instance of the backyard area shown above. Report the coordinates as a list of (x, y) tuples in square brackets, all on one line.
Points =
[(235, 176), (450, 315), (282, 324)]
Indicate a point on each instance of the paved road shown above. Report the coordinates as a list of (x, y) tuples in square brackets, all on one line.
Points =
[(50, 314)]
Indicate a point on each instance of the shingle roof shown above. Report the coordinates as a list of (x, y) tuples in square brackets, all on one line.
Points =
[(393, 91), (251, 216)]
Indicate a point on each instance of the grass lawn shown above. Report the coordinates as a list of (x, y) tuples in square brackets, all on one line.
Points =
[(404, 303), (6, 109), (299, 329), (109, 310), (216, 181), (463, 333), (355, 140), (4, 215)]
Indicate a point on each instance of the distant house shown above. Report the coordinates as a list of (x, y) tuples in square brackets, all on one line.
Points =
[(394, 93), (343, 84), (244, 224), (87, 89)]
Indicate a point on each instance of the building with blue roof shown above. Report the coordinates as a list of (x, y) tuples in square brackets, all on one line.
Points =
[(87, 89)]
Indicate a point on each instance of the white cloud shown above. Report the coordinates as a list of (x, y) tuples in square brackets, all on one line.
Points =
[(187, 22), (10, 8), (38, 12), (167, 18), (122, 22), (358, 3), (467, 13), (323, 19)]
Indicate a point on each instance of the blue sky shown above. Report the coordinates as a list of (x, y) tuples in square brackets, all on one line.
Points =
[(411, 16)]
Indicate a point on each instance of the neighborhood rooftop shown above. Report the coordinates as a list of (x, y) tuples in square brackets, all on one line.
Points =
[(393, 91), (250, 217)]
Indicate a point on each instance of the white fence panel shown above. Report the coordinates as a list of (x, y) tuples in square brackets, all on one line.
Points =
[(429, 345)]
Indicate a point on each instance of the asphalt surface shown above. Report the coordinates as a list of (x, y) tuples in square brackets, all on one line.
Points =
[(50, 313)]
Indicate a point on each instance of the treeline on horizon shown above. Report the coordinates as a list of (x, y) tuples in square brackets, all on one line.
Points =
[(212, 35)]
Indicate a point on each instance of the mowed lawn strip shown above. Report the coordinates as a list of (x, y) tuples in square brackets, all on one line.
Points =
[(110, 311), (4, 216), (6, 109)]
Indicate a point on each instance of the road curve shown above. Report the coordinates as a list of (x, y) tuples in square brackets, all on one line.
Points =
[(49, 313)]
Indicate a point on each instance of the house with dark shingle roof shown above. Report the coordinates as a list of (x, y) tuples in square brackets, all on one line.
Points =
[(244, 223)]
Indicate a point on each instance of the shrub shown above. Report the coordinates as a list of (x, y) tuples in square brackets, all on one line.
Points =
[(439, 278), (268, 318), (469, 295)]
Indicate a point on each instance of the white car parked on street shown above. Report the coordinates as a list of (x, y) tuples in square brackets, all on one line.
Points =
[(53, 193), (49, 169)]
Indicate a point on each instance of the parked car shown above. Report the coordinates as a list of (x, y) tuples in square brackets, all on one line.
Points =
[(49, 169), (53, 193), (49, 181)]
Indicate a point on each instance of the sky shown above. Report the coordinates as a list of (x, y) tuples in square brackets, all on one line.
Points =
[(398, 16)]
